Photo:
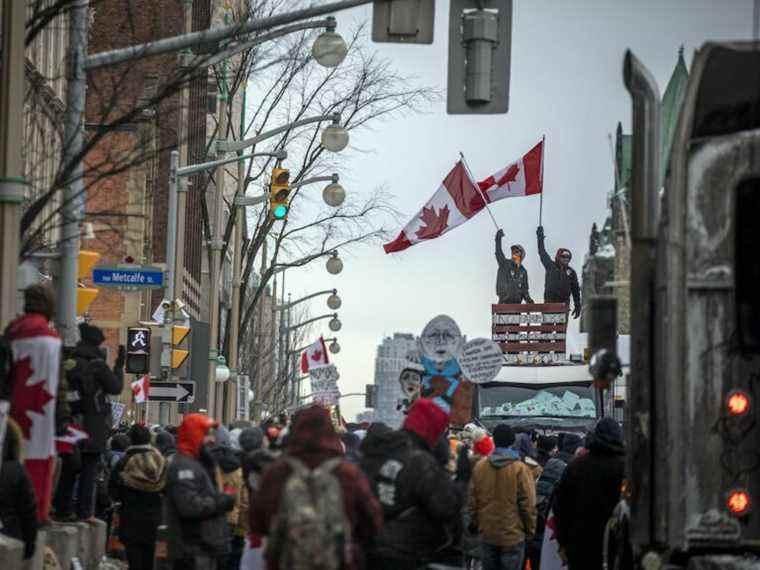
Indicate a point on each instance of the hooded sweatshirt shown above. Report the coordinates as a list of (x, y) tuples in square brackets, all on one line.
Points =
[(502, 499), (313, 440)]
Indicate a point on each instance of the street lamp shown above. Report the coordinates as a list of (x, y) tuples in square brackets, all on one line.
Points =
[(329, 48), (334, 194), (334, 265), (334, 347), (334, 138), (334, 302), (335, 324), (222, 371)]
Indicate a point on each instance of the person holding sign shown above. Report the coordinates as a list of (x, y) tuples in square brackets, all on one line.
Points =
[(512, 278), (561, 279)]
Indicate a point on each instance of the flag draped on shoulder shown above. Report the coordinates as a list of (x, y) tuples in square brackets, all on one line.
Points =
[(521, 178), (456, 201), (315, 356)]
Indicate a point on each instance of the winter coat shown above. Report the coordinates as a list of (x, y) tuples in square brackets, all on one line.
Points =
[(421, 502), (502, 500), (232, 479), (195, 504), (18, 504), (511, 279), (585, 497), (313, 441), (90, 380), (560, 282), (254, 463), (137, 481)]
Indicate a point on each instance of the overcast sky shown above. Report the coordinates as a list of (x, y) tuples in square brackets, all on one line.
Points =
[(566, 83)]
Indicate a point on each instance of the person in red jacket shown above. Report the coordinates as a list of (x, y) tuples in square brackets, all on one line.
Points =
[(313, 441)]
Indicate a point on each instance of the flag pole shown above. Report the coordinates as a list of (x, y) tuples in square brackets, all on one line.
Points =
[(469, 173), (541, 199)]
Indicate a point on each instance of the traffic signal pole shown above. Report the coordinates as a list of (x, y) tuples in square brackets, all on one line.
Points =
[(11, 166), (73, 193)]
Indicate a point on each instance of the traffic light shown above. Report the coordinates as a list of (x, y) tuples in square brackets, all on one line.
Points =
[(370, 396), (279, 192), (403, 21), (85, 295), (179, 355), (480, 45), (138, 350)]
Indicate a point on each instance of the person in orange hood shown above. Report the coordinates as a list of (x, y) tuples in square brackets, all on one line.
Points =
[(196, 505)]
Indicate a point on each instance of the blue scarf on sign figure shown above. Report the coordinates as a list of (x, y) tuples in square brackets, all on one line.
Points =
[(450, 371)]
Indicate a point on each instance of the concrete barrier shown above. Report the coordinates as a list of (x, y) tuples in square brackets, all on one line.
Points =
[(64, 540), (98, 531), (11, 553), (37, 559)]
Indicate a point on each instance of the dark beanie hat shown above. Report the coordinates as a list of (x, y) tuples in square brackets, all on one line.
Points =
[(120, 442), (139, 435), (251, 439), (503, 436), (91, 334), (608, 432)]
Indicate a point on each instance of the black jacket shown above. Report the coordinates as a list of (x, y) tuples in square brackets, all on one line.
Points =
[(585, 497), (560, 283), (18, 505), (511, 279), (141, 508), (195, 509), (420, 500), (90, 380)]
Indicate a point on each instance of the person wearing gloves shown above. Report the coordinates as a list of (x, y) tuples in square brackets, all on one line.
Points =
[(561, 279), (196, 506), (512, 278)]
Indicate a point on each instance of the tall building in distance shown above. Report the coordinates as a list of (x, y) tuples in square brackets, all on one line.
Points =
[(389, 362)]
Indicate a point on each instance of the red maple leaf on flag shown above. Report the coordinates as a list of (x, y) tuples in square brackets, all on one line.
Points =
[(435, 223), (509, 176), (316, 356), (27, 397)]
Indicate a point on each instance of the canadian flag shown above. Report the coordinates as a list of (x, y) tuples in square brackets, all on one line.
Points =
[(315, 356), (141, 389), (66, 442), (458, 199), (521, 178)]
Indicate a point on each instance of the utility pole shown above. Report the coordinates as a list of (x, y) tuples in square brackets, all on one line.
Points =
[(73, 193), (260, 333), (11, 167), (216, 265)]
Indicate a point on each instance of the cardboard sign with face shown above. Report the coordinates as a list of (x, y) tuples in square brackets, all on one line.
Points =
[(441, 340), (411, 383)]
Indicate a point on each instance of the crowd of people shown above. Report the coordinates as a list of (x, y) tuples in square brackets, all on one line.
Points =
[(297, 493)]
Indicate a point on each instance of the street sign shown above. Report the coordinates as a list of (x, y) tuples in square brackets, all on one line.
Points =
[(172, 392), (137, 276)]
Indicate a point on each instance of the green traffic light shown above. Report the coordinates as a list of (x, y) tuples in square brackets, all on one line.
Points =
[(279, 212)]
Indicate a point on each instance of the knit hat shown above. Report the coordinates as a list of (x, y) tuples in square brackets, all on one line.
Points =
[(427, 420), (503, 436), (520, 249), (91, 334), (484, 447), (251, 439), (139, 435)]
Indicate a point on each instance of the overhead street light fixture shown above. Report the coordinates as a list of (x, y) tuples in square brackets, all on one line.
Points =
[(222, 371), (334, 347), (335, 324), (329, 49), (334, 137), (334, 195), (334, 265), (334, 302)]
